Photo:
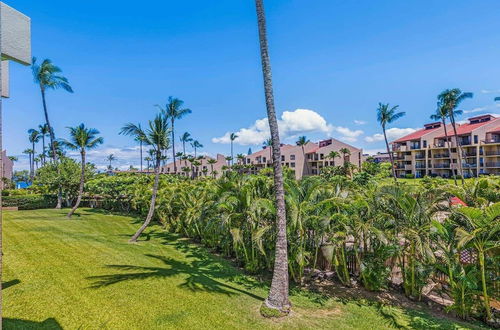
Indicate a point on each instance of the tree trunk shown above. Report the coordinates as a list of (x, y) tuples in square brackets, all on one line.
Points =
[(173, 146), (459, 148), (391, 158), (80, 189), (52, 144), (278, 294), (140, 151), (486, 298), (153, 202), (449, 147), (43, 149)]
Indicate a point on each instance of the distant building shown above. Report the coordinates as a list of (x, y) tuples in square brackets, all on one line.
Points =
[(205, 168), (7, 167), (307, 160), (425, 152), (381, 157)]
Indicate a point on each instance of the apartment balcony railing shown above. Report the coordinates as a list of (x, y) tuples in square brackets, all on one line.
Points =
[(400, 148), (415, 146), (492, 164), (407, 157), (441, 165), (470, 154), (420, 166), (408, 167), (492, 152), (441, 155), (468, 165), (419, 156), (399, 158), (443, 144), (488, 141)]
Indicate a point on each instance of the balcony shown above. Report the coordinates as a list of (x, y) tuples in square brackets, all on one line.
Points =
[(408, 167), (492, 164), (414, 146), (469, 165), (408, 157), (441, 165), (492, 152), (446, 155), (469, 154), (400, 148), (419, 156), (420, 166)]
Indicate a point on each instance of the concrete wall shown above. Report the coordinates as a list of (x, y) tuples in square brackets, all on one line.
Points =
[(7, 167)]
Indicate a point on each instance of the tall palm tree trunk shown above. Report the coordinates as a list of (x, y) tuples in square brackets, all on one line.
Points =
[(80, 189), (151, 211), (173, 146), (278, 294), (140, 152), (449, 147), (52, 144), (43, 149), (391, 158), (232, 161), (459, 147)]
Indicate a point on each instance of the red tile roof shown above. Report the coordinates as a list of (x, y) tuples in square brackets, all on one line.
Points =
[(495, 130), (415, 135), (468, 128), (457, 201)]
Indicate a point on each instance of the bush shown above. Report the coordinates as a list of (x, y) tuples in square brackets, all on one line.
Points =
[(410, 176), (30, 202), (16, 192)]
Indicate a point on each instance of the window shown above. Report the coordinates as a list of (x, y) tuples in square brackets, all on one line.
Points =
[(292, 164), (292, 157), (282, 158), (264, 159), (321, 156), (425, 143), (475, 139)]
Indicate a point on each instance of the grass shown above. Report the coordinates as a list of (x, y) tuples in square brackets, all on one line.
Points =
[(82, 273)]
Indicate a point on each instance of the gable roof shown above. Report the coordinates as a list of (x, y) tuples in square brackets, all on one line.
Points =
[(468, 128), (416, 135)]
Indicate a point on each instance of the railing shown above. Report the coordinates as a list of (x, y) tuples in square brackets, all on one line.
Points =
[(492, 153), (414, 146), (420, 166), (418, 156), (441, 165), (467, 165), (488, 141), (470, 154), (492, 164), (441, 155)]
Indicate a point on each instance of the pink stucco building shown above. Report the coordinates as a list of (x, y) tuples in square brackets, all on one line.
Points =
[(7, 167)]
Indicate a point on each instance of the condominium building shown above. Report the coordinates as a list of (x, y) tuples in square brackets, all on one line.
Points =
[(427, 151), (308, 159), (205, 166)]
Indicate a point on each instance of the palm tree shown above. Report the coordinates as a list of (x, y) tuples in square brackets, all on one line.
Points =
[(332, 155), (212, 161), (241, 159), (13, 158), (81, 139), (30, 153), (148, 159), (269, 144), (302, 141), (441, 114), (34, 137), (44, 131), (134, 131), (185, 138), (37, 160), (48, 76), (110, 159), (345, 154), (386, 115), (156, 136), (278, 294), (232, 137), (450, 99), (196, 145), (174, 110), (481, 232)]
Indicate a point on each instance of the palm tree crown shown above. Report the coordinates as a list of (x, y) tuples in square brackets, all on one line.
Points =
[(82, 138), (386, 115), (48, 76)]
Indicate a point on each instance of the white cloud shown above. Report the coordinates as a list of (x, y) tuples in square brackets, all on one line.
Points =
[(291, 124), (359, 122), (490, 91), (482, 109), (372, 152), (392, 134)]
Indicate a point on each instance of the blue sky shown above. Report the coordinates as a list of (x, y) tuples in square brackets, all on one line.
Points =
[(334, 59)]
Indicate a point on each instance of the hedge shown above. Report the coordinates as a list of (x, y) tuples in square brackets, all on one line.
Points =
[(30, 202)]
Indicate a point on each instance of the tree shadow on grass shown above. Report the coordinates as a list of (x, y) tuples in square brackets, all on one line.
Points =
[(8, 284), (49, 323), (201, 275)]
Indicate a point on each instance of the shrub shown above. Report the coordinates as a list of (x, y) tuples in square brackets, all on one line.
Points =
[(30, 202), (410, 176)]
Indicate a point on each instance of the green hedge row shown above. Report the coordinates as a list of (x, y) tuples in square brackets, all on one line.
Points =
[(30, 202)]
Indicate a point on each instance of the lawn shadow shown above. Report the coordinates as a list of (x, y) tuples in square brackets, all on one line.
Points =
[(201, 275), (49, 323), (8, 284)]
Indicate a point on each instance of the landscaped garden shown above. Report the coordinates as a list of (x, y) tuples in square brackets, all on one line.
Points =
[(82, 273)]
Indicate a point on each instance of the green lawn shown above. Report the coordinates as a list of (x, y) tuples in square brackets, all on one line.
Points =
[(82, 273)]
